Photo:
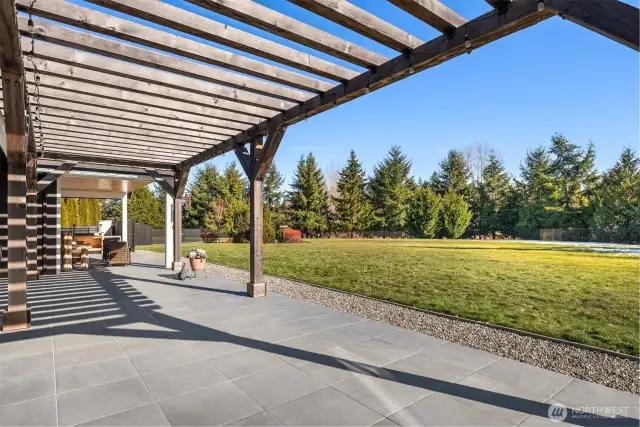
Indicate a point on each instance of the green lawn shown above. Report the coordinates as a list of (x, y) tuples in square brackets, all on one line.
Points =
[(554, 290)]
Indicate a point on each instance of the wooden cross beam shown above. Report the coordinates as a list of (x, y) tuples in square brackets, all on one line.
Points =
[(158, 179), (432, 12), (72, 155), (175, 190), (55, 175), (259, 92), (200, 26), (350, 16), (113, 26), (244, 159)]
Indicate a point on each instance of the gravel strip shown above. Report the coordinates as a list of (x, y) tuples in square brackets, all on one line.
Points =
[(589, 365)]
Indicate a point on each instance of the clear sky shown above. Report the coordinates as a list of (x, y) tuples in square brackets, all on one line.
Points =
[(511, 95)]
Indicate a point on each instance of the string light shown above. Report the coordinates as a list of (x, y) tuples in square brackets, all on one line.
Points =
[(36, 73)]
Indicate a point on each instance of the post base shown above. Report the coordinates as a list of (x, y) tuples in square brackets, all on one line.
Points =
[(17, 319), (256, 289), (176, 266)]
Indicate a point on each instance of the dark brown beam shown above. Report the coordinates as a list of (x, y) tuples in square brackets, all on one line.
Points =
[(243, 158), (55, 175), (159, 179), (613, 19), (10, 52), (256, 286), (269, 151), (485, 29)]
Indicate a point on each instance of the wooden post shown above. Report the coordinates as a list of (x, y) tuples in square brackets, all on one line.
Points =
[(180, 181), (17, 315), (256, 286), (168, 230), (3, 215), (32, 205)]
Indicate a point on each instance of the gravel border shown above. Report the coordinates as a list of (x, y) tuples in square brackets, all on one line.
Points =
[(590, 365)]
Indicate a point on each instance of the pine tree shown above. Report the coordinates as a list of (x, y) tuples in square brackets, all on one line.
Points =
[(424, 212), (308, 197), (205, 187), (390, 190), (72, 209), (232, 183), (493, 191), (616, 210), (111, 209), (97, 211), (454, 174), (84, 212), (540, 193), (456, 215), (352, 207), (272, 187), (574, 172)]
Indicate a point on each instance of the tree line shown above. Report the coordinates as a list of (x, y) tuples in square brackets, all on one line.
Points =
[(471, 194)]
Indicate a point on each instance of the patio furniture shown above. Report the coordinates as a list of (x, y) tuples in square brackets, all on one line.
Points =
[(84, 258), (119, 254)]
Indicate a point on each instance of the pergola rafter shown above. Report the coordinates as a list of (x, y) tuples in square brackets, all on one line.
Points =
[(111, 91)]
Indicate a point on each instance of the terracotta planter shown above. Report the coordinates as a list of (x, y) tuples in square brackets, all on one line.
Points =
[(197, 264)]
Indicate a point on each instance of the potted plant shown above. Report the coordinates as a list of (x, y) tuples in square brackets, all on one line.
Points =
[(197, 259)]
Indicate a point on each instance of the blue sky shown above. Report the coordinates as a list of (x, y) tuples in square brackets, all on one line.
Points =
[(511, 95)]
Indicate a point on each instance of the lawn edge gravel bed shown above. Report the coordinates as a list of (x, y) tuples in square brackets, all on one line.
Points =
[(589, 365)]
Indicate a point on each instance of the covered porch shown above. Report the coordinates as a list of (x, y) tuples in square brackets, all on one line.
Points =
[(134, 346)]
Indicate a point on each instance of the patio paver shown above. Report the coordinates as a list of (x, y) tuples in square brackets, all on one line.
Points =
[(134, 346)]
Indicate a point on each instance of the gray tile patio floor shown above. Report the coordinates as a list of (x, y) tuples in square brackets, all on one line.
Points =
[(134, 346)]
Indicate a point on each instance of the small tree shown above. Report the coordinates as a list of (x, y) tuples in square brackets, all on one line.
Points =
[(72, 210), (64, 214), (456, 215), (424, 213), (216, 215)]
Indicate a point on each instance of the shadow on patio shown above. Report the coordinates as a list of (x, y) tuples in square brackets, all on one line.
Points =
[(134, 305)]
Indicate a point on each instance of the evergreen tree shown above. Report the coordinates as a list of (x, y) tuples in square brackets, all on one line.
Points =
[(205, 187), (144, 208), (309, 197), (111, 209), (424, 213), (493, 191), (454, 174), (456, 215), (574, 172), (97, 212), (72, 209), (616, 210), (84, 213), (390, 190), (232, 184), (539, 194), (272, 187), (352, 207)]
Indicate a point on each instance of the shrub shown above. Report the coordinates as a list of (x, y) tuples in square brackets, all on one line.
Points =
[(209, 236)]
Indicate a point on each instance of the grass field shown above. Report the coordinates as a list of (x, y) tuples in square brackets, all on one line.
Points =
[(559, 291)]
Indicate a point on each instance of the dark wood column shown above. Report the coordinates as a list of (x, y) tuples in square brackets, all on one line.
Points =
[(32, 205), (17, 315), (256, 286)]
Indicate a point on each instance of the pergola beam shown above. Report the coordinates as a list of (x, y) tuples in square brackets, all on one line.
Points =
[(80, 80), (87, 108), (97, 100), (120, 161), (483, 30), (433, 13), (53, 115), (613, 19), (350, 16), (118, 143), (159, 179), (110, 25), (269, 20), (264, 93), (55, 175), (10, 53), (181, 20), (89, 132), (66, 146), (155, 82)]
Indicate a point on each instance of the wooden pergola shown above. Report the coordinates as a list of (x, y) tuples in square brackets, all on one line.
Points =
[(87, 89)]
